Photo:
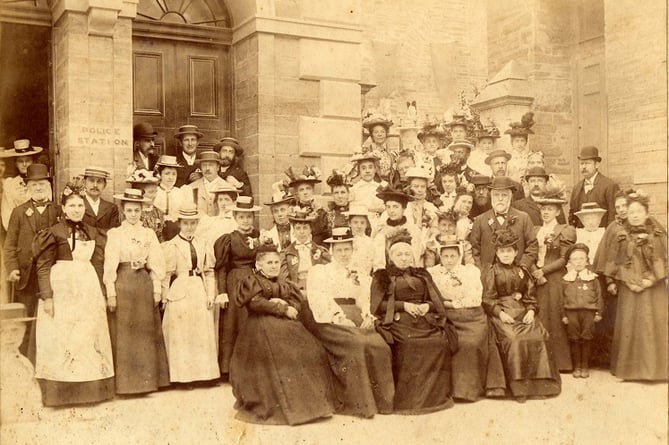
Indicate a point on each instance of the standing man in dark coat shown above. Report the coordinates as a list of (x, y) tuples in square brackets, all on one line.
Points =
[(481, 195), (189, 138), (26, 221), (502, 215), (536, 178), (101, 214), (144, 146), (594, 187), (230, 152)]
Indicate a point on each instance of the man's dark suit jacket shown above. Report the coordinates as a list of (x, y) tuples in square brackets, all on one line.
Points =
[(603, 193), (107, 217), (530, 206)]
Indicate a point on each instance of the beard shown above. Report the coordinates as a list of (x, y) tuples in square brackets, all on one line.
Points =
[(225, 162)]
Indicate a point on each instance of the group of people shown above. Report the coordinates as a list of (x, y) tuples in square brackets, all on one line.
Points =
[(447, 271)]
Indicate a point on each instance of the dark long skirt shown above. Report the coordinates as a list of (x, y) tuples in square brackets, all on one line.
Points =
[(548, 300), (140, 360), (477, 365), (279, 373), (602, 342), (529, 366), (56, 393), (28, 296), (640, 340), (232, 318), (361, 362), (421, 366)]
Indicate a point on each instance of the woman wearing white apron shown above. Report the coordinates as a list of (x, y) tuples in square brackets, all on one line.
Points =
[(188, 323), (74, 355)]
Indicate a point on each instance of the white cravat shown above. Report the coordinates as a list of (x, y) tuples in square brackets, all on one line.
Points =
[(145, 159), (588, 184), (190, 159), (95, 205)]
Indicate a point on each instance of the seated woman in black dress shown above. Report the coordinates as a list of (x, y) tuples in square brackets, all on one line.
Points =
[(413, 321), (279, 371), (508, 298)]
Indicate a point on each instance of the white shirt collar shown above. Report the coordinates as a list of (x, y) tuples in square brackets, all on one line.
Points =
[(592, 178), (190, 159)]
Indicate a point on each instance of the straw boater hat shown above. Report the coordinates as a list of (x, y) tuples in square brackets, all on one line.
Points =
[(143, 130), (37, 172), (376, 119), (208, 155), (189, 211), (590, 207), (555, 198), (230, 142), (168, 161), (502, 183), (227, 188), (142, 176), (245, 204), (340, 235), (132, 195), (22, 147), (356, 210), (188, 129), (497, 154), (4, 153), (14, 313), (460, 143), (589, 152), (96, 172)]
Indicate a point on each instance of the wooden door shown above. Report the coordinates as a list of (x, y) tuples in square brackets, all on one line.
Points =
[(177, 83)]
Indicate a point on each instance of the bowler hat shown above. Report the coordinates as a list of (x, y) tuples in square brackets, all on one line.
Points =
[(37, 172), (497, 154), (229, 142), (502, 183), (589, 152), (537, 172), (188, 129), (143, 130)]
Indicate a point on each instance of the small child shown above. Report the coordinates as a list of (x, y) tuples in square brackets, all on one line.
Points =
[(582, 305), (363, 192), (447, 183), (591, 234)]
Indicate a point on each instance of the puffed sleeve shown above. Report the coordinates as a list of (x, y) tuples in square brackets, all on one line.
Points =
[(489, 299), (252, 296), (222, 253), (155, 261), (170, 255), (112, 259), (566, 239), (45, 253), (209, 275)]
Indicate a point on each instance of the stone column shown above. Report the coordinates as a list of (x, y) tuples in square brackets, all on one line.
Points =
[(93, 87)]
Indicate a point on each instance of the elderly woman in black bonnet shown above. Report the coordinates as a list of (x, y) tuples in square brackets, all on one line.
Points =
[(412, 320)]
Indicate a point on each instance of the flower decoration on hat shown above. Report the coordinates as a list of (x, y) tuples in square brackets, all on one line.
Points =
[(338, 179), (307, 174), (142, 176), (504, 238), (265, 245), (374, 119), (401, 235), (75, 186), (639, 196), (522, 128)]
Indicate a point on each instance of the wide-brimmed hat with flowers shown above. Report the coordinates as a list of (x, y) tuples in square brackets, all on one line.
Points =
[(504, 238), (22, 147), (142, 176), (309, 175), (430, 128), (522, 128), (375, 119), (280, 194), (390, 194)]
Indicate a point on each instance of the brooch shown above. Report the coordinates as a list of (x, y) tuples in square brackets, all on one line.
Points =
[(294, 261), (29, 212), (316, 255), (521, 274)]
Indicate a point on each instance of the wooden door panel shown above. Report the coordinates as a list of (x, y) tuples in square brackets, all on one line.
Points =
[(203, 88), (148, 93)]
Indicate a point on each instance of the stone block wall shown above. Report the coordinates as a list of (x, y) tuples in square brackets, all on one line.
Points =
[(426, 51), (636, 83)]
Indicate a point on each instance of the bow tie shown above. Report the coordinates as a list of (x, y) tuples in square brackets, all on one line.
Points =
[(283, 227), (500, 215), (40, 203), (303, 245)]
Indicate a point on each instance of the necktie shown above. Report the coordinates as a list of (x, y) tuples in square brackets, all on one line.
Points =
[(193, 252), (587, 186), (167, 202)]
